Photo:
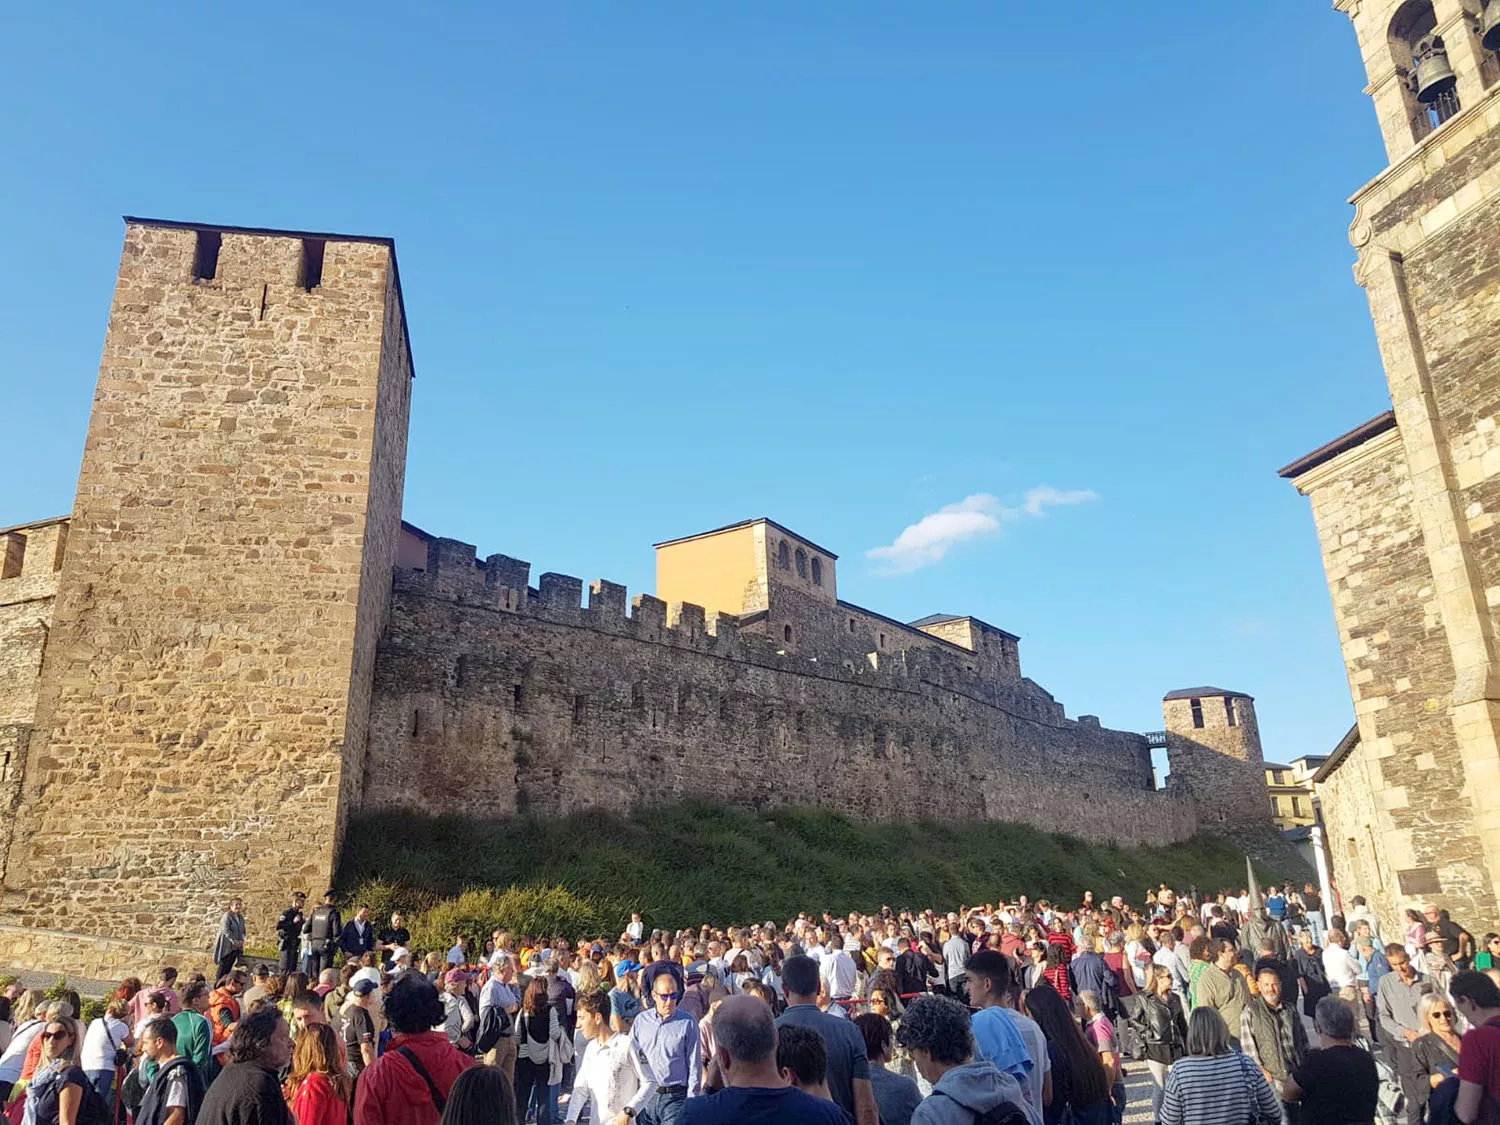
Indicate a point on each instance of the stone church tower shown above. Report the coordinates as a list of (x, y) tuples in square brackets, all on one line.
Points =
[(200, 721), (1406, 505)]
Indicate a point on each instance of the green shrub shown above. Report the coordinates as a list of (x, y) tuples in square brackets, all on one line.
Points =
[(521, 910), (7, 979), (93, 1008), (58, 989)]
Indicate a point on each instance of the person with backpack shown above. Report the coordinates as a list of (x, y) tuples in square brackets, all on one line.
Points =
[(176, 1093), (324, 927), (409, 1084), (936, 1032), (60, 1093), (106, 1047)]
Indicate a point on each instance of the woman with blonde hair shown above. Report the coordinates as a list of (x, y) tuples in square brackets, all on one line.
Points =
[(1214, 1084), (56, 1091), (318, 1088), (589, 979)]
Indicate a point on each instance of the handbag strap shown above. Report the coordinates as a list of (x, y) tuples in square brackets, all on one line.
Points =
[(416, 1064)]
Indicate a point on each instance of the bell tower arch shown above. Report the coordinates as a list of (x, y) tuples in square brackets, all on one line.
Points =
[(1426, 59)]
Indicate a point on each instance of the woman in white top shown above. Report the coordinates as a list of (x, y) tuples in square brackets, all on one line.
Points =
[(537, 1027), (610, 1073), (104, 1036), (30, 1017)]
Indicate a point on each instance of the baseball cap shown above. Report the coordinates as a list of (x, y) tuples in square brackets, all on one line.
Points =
[(363, 987), (456, 976), (399, 952), (624, 968)]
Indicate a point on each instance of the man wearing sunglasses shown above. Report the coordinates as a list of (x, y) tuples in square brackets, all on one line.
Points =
[(671, 1053)]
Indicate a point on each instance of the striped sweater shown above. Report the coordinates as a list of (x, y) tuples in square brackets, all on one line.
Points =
[(1218, 1090)]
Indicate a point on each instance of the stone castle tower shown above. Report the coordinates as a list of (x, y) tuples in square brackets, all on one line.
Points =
[(1213, 753), (200, 718), (1406, 505)]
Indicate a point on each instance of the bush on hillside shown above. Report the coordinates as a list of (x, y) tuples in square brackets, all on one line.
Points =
[(521, 910)]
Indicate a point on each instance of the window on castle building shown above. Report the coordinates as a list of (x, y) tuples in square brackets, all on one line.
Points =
[(880, 640), (786, 633), (1197, 707), (517, 696), (206, 255), (851, 624), (580, 708), (416, 723), (312, 263), (801, 563), (13, 558), (784, 556), (1229, 711), (817, 571)]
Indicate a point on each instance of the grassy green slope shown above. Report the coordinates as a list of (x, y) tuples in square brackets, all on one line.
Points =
[(694, 863)]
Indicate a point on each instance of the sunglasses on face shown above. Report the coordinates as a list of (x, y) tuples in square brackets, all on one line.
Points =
[(1442, 1015), (55, 1035), (667, 995)]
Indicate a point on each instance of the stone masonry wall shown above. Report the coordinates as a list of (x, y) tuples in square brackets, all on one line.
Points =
[(232, 503), (1396, 655), (1219, 763), (28, 590), (492, 698)]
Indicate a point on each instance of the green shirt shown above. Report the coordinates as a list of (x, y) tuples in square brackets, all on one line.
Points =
[(194, 1040)]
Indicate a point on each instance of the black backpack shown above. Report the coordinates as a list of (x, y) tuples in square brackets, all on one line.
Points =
[(92, 1109), (494, 1024), (1006, 1113)]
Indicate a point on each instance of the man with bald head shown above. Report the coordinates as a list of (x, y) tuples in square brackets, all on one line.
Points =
[(755, 1090)]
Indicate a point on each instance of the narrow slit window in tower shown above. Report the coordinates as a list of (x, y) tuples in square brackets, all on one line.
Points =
[(1229, 711), (1197, 706), (206, 255), (801, 563), (817, 571), (312, 263)]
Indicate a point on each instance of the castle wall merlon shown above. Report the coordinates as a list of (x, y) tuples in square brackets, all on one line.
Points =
[(561, 593), (502, 570)]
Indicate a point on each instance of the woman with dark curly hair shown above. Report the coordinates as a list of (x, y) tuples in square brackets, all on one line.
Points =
[(937, 1034)]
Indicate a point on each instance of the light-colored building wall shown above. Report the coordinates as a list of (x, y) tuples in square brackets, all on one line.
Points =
[(722, 571)]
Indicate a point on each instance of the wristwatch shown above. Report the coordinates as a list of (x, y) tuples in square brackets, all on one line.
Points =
[(629, 1111)]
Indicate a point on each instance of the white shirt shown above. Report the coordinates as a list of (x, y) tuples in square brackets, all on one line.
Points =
[(608, 1077), (839, 973), (636, 930), (1340, 967), (97, 1053)]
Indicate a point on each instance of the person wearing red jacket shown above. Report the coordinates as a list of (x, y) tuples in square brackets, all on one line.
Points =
[(318, 1089), (409, 1084)]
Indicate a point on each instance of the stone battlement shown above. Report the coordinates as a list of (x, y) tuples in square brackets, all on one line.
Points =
[(501, 583)]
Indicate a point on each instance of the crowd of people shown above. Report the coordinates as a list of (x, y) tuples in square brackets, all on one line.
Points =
[(1242, 1009)]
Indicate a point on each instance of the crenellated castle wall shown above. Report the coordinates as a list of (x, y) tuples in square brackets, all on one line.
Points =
[(494, 697)]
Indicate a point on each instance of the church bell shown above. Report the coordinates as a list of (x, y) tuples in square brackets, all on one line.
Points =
[(1434, 76), (1489, 26)]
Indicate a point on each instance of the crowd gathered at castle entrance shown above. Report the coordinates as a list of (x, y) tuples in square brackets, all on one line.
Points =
[(1243, 1009)]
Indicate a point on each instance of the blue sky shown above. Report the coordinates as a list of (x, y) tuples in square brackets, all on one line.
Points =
[(846, 265)]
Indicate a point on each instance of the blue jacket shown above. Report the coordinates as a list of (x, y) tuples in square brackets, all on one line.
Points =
[(352, 943), (1090, 972)]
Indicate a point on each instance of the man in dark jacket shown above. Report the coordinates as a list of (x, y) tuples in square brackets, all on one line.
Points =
[(176, 1093), (358, 935), (246, 1092), (1090, 972), (324, 927), (289, 932)]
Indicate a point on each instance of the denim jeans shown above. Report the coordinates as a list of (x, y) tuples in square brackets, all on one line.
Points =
[(662, 1108), (103, 1081)]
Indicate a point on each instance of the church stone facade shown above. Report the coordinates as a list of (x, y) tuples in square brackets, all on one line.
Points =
[(1407, 505), (234, 642)]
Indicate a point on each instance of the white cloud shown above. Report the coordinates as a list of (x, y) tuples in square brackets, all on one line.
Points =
[(929, 539)]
